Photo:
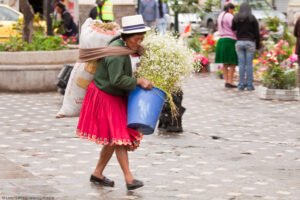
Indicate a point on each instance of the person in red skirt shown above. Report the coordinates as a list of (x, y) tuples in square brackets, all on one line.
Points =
[(103, 117)]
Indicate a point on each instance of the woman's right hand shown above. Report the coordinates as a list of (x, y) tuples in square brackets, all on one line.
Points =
[(144, 83)]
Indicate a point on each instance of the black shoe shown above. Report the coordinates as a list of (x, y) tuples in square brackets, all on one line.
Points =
[(105, 181), (134, 185), (228, 85)]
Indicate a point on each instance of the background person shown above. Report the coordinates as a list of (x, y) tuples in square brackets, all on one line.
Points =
[(225, 51), (103, 11), (162, 19), (149, 10), (248, 38), (103, 116), (68, 24), (297, 35)]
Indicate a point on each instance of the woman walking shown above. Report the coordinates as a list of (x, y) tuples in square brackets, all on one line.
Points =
[(103, 117), (162, 20), (247, 31), (225, 52)]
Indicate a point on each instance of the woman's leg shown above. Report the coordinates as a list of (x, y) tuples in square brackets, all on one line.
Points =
[(164, 26), (122, 156), (241, 59), (159, 26), (105, 155), (230, 74), (225, 72), (250, 50)]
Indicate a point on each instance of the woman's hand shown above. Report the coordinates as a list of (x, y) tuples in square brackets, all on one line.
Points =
[(144, 83), (141, 51)]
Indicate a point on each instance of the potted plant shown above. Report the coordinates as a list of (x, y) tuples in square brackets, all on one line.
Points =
[(208, 47), (219, 71), (201, 63), (279, 73)]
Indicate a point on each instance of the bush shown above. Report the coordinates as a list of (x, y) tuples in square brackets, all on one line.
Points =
[(277, 78), (40, 42)]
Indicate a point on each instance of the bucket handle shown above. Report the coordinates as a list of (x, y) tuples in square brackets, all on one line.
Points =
[(163, 98)]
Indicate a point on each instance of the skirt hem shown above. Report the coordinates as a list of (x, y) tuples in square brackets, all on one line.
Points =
[(111, 142)]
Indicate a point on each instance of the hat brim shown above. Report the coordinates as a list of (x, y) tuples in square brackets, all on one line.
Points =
[(135, 31)]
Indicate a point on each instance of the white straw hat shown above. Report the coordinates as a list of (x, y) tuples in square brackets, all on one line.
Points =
[(133, 24)]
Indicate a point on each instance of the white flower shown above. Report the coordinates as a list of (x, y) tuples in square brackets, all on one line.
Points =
[(166, 62)]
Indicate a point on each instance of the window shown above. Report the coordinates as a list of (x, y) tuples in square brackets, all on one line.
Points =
[(8, 15), (259, 4), (255, 4)]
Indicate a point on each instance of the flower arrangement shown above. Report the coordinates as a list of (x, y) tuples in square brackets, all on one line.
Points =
[(219, 71), (208, 45), (278, 67), (200, 62), (69, 40), (166, 63)]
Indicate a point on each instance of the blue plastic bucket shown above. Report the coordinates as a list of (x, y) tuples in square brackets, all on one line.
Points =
[(144, 107)]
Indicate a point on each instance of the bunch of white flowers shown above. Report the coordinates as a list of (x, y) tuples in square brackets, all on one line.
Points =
[(166, 62)]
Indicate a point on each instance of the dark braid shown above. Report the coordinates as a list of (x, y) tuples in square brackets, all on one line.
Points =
[(160, 9), (226, 9)]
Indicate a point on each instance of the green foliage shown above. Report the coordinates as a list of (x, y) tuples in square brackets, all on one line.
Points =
[(57, 26), (277, 78), (273, 23), (236, 10), (277, 29), (289, 80), (289, 36), (187, 6), (14, 44), (40, 42), (194, 43), (18, 27), (38, 25), (209, 4)]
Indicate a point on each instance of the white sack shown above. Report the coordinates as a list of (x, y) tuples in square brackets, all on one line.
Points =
[(91, 36), (81, 77)]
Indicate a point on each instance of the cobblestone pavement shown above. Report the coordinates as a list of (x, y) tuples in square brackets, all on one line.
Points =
[(234, 147)]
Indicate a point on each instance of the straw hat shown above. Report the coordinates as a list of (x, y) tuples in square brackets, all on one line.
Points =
[(133, 24)]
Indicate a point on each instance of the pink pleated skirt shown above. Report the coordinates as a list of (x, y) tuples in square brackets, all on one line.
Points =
[(103, 119)]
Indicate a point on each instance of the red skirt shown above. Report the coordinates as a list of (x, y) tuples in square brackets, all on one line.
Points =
[(103, 119)]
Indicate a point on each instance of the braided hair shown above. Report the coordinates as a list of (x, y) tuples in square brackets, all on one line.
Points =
[(226, 10)]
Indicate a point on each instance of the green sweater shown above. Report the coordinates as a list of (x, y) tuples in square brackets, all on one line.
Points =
[(114, 74)]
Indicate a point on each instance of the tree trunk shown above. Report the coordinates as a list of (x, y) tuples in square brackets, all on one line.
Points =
[(28, 12)]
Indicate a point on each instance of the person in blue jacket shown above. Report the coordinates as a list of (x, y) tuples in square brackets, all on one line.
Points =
[(149, 10)]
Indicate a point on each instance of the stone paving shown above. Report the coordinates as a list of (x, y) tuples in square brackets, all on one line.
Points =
[(234, 147)]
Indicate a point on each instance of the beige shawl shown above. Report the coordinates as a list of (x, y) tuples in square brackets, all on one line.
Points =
[(91, 54)]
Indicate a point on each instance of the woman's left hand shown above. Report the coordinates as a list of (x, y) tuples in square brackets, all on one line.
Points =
[(144, 83)]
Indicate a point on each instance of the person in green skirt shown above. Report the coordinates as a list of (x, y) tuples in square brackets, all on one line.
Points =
[(225, 52)]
